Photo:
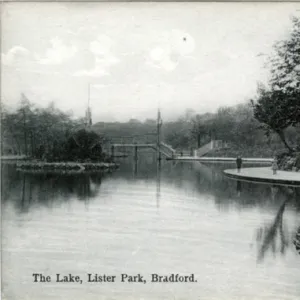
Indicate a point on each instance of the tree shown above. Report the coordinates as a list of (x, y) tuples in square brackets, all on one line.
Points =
[(245, 132), (278, 106), (276, 111), (83, 145), (223, 124), (10, 132), (285, 74), (199, 130), (285, 62), (34, 131)]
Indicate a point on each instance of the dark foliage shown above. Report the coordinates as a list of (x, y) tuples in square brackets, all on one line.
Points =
[(83, 145), (278, 106), (48, 134)]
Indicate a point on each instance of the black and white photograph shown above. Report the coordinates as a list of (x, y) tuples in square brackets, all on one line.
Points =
[(150, 150)]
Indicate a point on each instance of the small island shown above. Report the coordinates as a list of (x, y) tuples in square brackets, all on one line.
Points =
[(81, 151), (54, 141)]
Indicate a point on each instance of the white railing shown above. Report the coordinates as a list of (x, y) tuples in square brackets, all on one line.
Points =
[(212, 145), (167, 150), (204, 149)]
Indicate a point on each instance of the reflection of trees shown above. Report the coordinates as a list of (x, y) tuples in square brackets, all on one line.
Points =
[(48, 188), (158, 182), (297, 240), (245, 194), (228, 192), (207, 178), (132, 169), (10, 181), (238, 188), (275, 235), (269, 234)]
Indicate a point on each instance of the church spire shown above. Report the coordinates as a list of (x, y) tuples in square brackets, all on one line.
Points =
[(88, 117), (88, 112)]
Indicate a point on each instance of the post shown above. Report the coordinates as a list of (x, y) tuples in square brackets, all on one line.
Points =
[(158, 135), (25, 131), (198, 140), (135, 168), (89, 94), (158, 181), (112, 151), (136, 153)]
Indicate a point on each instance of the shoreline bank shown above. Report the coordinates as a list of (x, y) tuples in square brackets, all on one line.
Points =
[(265, 175), (77, 166)]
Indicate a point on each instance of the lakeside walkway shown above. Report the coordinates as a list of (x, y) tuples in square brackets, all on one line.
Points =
[(221, 159), (265, 175)]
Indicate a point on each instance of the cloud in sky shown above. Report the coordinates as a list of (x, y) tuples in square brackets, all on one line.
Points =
[(15, 55), (84, 31), (107, 61), (96, 72), (174, 45), (100, 48), (58, 53), (102, 45)]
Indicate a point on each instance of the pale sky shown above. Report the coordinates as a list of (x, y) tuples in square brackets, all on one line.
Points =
[(138, 56)]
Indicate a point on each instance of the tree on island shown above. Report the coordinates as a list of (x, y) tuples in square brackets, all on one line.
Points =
[(48, 134), (83, 145), (278, 106)]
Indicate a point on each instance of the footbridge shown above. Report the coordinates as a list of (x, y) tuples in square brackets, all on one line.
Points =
[(153, 140), (118, 146), (124, 145)]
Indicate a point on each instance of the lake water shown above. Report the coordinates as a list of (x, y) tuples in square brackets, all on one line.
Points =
[(182, 218)]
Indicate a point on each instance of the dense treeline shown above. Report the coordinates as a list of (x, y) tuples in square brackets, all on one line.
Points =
[(235, 125), (47, 133), (53, 135)]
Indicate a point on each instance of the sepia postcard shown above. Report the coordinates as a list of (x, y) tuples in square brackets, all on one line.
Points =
[(150, 151)]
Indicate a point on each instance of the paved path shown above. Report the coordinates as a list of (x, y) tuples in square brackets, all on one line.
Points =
[(221, 159), (265, 175)]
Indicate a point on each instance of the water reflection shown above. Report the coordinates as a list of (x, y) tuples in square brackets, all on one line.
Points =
[(268, 235), (47, 188), (192, 178), (158, 182), (238, 188), (297, 240), (275, 236), (151, 217)]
